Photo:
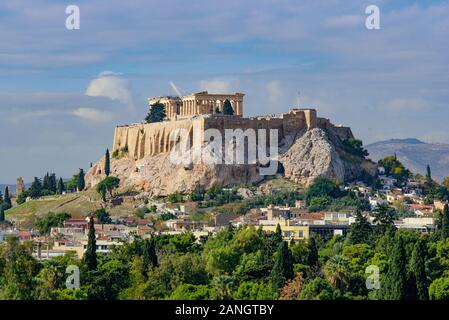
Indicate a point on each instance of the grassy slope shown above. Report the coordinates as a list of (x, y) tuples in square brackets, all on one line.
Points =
[(76, 204)]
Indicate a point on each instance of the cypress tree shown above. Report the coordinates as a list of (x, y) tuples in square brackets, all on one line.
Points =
[(81, 183), (61, 187), (7, 199), (90, 256), (428, 173), (395, 282), (312, 259), (36, 188), (418, 270), (2, 214), (445, 223), (107, 163), (227, 108), (52, 183), (149, 253), (283, 266), (278, 234), (46, 182)]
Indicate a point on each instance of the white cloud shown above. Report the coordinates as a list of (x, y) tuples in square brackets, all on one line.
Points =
[(218, 85), (274, 91), (347, 21), (93, 114), (111, 85), (408, 104)]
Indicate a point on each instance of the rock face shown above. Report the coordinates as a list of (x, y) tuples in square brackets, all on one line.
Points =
[(316, 152), (319, 153), (157, 175)]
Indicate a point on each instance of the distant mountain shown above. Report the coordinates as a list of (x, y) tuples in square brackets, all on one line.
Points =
[(415, 155)]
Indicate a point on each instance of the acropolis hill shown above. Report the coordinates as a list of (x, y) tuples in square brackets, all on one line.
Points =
[(309, 146)]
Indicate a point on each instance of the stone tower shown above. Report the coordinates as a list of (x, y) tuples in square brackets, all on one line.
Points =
[(20, 186)]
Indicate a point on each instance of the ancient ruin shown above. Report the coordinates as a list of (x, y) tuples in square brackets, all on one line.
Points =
[(308, 146)]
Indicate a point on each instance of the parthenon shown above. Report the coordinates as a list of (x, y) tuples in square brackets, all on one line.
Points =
[(198, 103)]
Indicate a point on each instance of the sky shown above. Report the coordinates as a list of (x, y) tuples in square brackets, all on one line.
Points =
[(63, 91)]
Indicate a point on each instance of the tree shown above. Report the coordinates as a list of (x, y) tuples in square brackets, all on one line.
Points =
[(445, 223), (36, 188), (394, 284), (52, 183), (418, 270), (384, 217), (156, 113), (393, 167), (355, 146), (323, 187), (18, 270), (102, 216), (149, 253), (90, 256), (81, 184), (107, 163), (312, 259), (317, 289), (51, 220), (446, 182), (61, 186), (439, 289), (428, 173), (283, 266), (2, 214), (227, 108), (109, 184), (361, 230), (7, 200), (336, 271)]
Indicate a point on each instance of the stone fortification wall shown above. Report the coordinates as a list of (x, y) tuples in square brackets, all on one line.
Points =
[(154, 138)]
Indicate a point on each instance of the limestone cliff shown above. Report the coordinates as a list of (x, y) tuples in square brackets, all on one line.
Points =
[(304, 156), (320, 153)]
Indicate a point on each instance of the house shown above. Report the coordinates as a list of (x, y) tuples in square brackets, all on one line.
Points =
[(290, 230), (376, 201), (423, 225), (76, 223), (5, 234), (421, 209)]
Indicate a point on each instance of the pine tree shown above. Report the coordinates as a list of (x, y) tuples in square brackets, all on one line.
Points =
[(2, 214), (312, 259), (361, 230), (7, 200), (227, 108), (81, 183), (107, 163), (394, 284), (418, 270), (36, 188), (283, 267), (90, 256), (445, 223), (61, 186), (156, 113)]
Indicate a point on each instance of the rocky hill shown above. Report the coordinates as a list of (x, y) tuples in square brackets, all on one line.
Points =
[(415, 155), (303, 157)]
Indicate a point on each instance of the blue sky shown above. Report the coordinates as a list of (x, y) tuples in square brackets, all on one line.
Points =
[(62, 92)]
